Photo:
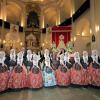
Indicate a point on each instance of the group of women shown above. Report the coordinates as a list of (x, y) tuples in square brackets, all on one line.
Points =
[(30, 70)]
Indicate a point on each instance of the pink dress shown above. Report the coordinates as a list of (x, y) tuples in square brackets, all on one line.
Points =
[(76, 74), (85, 79), (4, 76), (18, 78), (94, 74), (35, 78), (63, 76)]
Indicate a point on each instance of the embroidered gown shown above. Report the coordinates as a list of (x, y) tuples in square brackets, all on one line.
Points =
[(63, 73), (94, 72), (85, 61), (18, 77), (76, 72), (4, 74), (35, 79)]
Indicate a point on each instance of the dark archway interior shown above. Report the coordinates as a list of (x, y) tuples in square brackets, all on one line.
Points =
[(33, 19)]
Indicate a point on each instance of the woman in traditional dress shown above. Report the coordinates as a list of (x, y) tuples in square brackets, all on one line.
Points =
[(85, 61), (29, 62), (76, 70), (55, 61), (4, 74), (35, 80), (19, 74), (41, 61), (94, 69), (12, 59), (63, 73), (67, 60), (71, 56), (48, 73)]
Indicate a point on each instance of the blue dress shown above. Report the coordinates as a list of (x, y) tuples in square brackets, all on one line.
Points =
[(49, 77)]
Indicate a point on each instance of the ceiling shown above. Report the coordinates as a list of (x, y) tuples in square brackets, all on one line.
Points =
[(49, 8)]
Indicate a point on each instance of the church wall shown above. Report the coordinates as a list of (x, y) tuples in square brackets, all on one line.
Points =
[(96, 21), (93, 18), (81, 35)]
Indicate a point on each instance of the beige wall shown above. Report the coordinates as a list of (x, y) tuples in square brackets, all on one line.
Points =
[(89, 20), (96, 21), (82, 33)]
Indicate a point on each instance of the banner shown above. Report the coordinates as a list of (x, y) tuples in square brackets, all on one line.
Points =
[(61, 36)]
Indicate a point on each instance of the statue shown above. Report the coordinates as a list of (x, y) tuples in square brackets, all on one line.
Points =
[(61, 44)]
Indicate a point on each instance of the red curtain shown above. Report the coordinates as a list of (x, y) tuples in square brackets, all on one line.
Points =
[(61, 30)]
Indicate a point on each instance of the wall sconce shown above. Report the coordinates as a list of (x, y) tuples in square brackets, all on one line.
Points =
[(83, 34), (4, 41), (21, 44), (97, 28), (43, 44), (90, 31), (74, 39)]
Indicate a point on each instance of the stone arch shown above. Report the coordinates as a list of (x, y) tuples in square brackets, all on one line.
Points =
[(13, 12)]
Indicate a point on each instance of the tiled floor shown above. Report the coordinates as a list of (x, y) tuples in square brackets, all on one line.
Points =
[(54, 94)]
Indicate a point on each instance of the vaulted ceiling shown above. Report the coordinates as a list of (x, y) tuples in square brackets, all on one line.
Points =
[(50, 9)]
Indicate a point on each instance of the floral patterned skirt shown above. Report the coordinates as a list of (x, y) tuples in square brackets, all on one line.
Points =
[(85, 78), (94, 76), (4, 81), (35, 80), (63, 78), (76, 76), (17, 80)]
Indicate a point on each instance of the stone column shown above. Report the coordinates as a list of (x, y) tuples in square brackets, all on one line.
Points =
[(42, 25), (42, 21), (58, 20), (3, 10), (24, 18)]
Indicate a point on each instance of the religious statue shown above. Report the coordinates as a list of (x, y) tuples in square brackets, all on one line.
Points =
[(61, 44)]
